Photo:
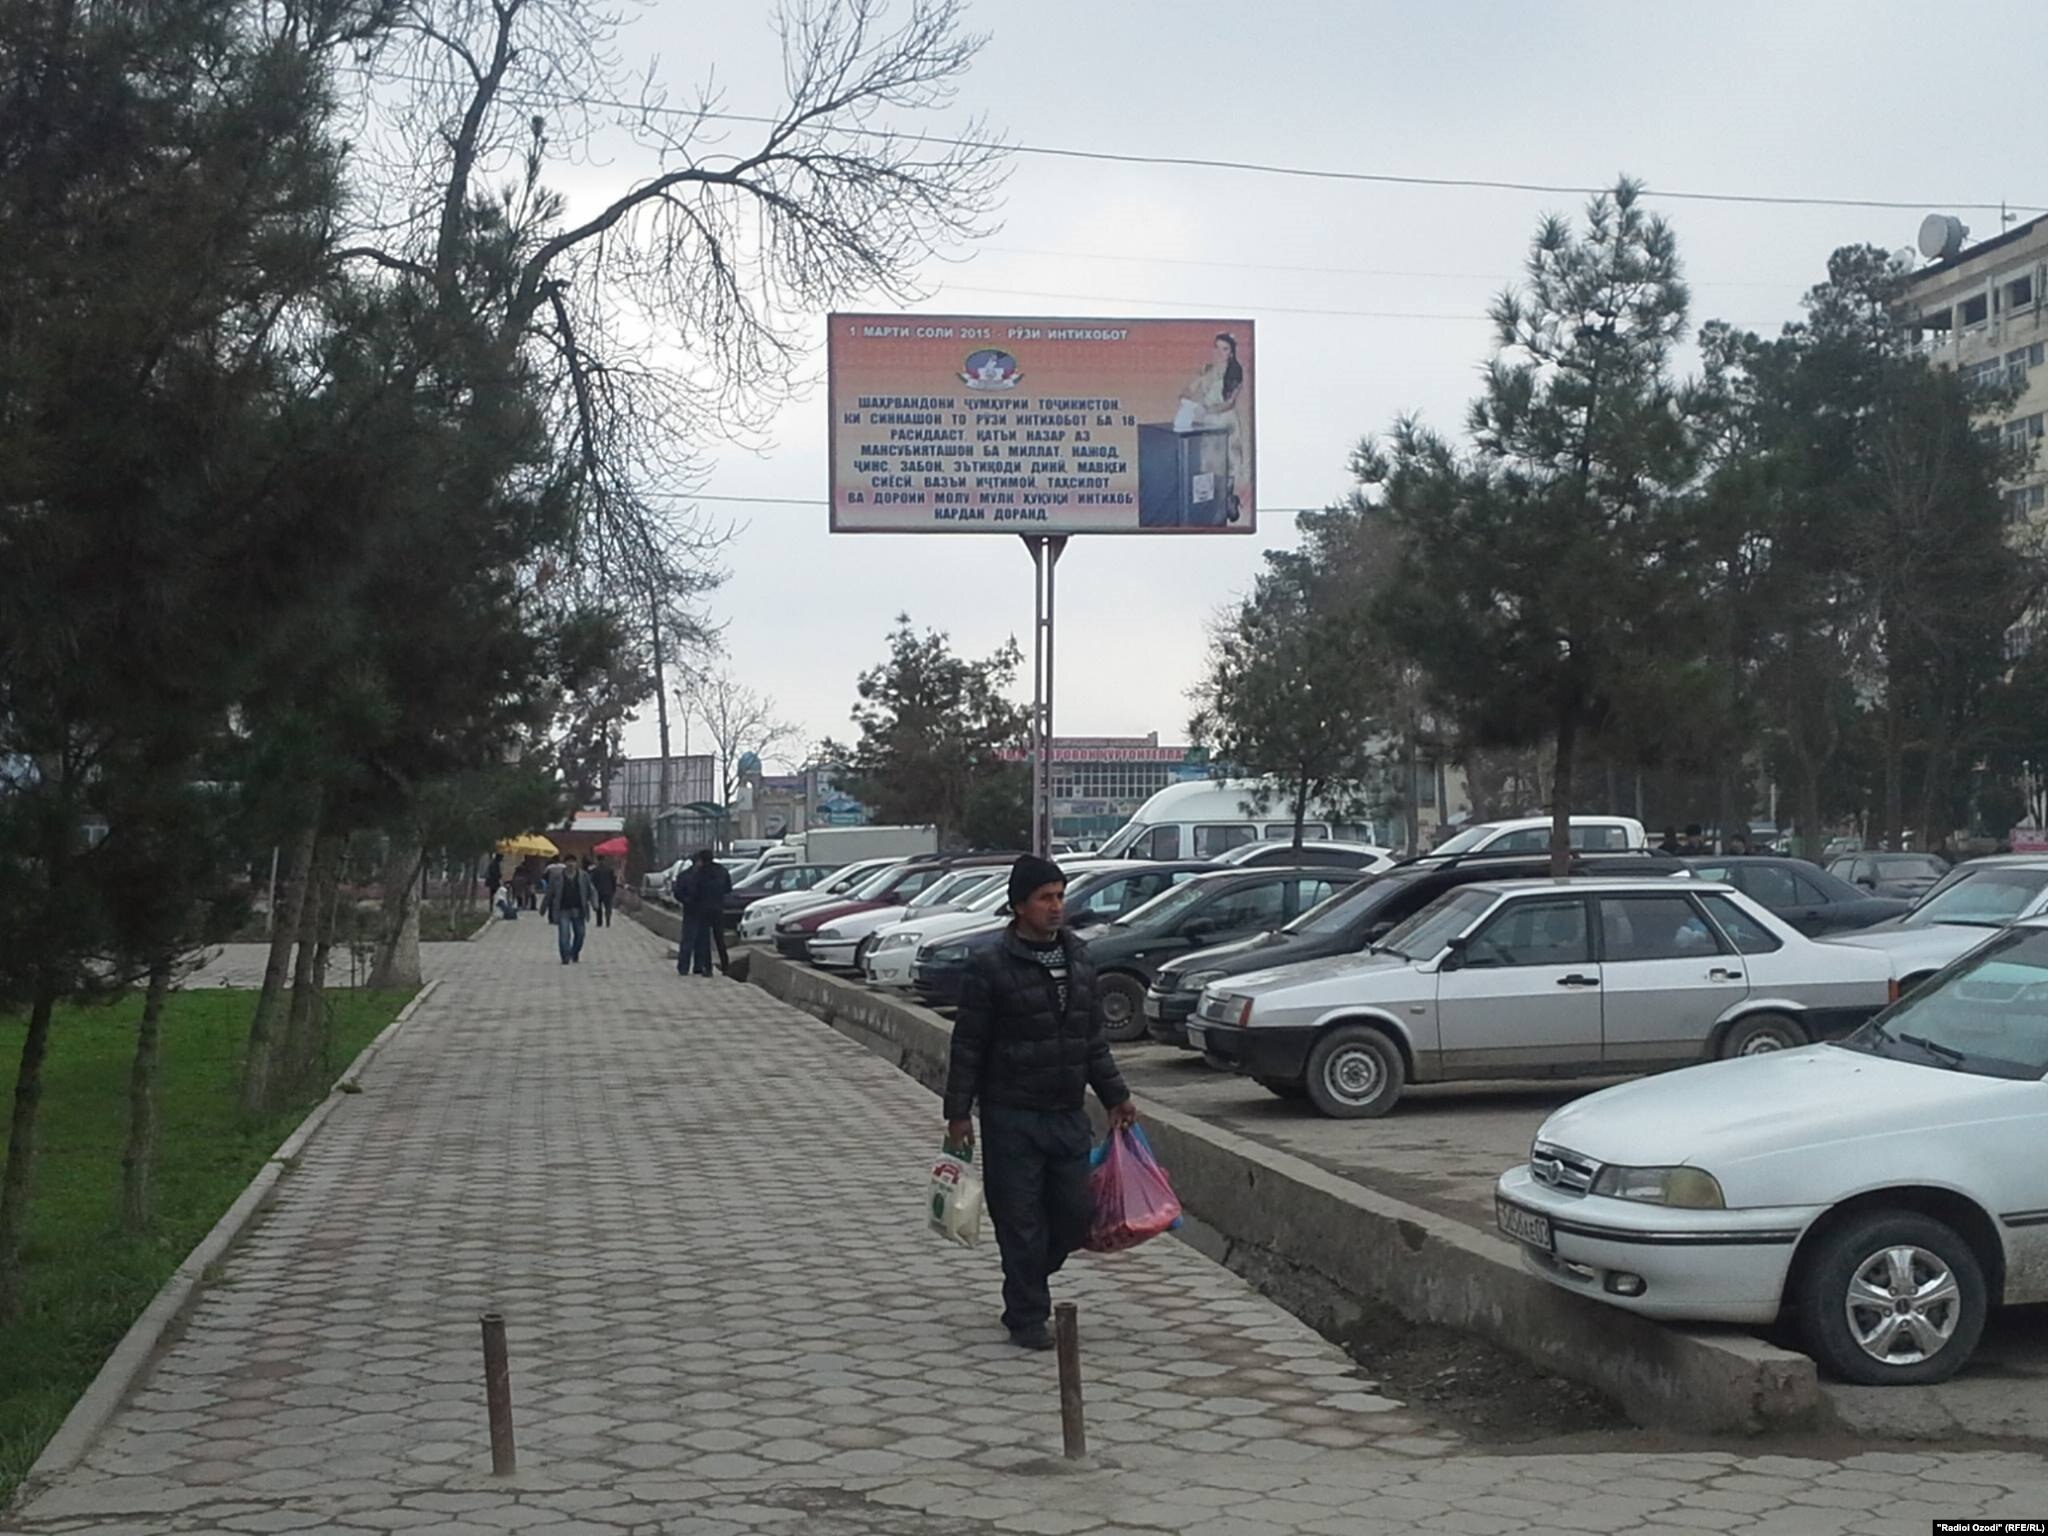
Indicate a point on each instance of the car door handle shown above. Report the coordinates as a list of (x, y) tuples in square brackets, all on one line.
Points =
[(1718, 974), (1576, 980)]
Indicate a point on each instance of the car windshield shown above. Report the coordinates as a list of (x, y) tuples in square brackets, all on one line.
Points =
[(1335, 913), (991, 898), (1467, 840), (1425, 934), (945, 888), (1910, 866), (756, 880), (1987, 897), (1987, 1013), (875, 884), (1165, 907)]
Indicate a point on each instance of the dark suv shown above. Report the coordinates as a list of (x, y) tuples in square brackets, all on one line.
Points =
[(1352, 919)]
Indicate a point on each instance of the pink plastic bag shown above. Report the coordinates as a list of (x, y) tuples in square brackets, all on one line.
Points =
[(1133, 1200)]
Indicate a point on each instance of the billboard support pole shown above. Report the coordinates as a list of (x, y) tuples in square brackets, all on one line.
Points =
[(1046, 550)]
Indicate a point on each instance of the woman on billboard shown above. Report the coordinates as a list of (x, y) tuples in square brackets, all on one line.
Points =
[(1214, 398)]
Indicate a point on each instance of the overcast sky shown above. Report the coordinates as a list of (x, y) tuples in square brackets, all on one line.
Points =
[(1867, 100)]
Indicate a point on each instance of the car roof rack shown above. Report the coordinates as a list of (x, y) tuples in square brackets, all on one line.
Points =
[(1453, 860)]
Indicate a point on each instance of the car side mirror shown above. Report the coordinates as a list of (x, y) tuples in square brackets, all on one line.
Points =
[(1084, 919), (1868, 882), (1454, 954), (1377, 932)]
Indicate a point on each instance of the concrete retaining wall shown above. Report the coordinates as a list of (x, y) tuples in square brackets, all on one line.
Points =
[(1331, 1250)]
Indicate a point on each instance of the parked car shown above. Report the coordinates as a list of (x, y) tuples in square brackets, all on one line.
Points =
[(1890, 874), (1207, 909), (889, 958), (1350, 920), (839, 944), (758, 925), (1971, 901), (1538, 978), (1885, 1190), (1531, 834), (892, 889), (1807, 897), (775, 880), (1097, 895), (1310, 855)]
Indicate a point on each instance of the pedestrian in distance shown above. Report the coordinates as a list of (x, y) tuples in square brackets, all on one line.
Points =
[(494, 876), (700, 890), (606, 881), (1027, 1046), (1671, 843), (570, 896)]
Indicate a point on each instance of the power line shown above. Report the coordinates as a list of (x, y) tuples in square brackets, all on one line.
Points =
[(1264, 309), (1267, 266), (528, 95)]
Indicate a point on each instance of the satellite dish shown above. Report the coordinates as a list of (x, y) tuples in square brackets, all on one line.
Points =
[(1941, 236)]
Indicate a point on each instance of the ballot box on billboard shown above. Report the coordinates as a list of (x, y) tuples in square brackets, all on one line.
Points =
[(1184, 477)]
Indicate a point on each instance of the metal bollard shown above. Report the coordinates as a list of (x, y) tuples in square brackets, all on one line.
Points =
[(498, 1395), (1067, 1335)]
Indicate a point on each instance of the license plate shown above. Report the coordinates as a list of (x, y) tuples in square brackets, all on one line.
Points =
[(1198, 1038), (1524, 1226)]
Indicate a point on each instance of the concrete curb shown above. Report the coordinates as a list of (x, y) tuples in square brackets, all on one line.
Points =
[(483, 928), (132, 1358), (1332, 1251)]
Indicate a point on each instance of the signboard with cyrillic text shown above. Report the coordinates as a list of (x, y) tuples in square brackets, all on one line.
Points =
[(972, 424)]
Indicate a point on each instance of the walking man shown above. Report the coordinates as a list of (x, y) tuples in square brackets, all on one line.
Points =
[(700, 891), (569, 900), (606, 881), (1027, 1045)]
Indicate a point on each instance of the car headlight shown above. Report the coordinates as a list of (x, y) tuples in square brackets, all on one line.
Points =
[(897, 941), (1691, 1189), (1199, 980), (952, 954), (828, 933)]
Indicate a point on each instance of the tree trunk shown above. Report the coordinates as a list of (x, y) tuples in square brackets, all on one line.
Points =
[(1414, 816), (21, 1147), (1894, 762), (660, 712), (1300, 808), (1934, 779), (1810, 843), (1561, 793), (397, 966), (305, 1031), (1725, 812), (138, 1160), (263, 1059)]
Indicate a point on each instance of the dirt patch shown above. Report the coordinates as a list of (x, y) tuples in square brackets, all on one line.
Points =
[(1486, 1394)]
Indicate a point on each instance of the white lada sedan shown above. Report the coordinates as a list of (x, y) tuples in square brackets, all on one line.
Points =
[(1885, 1191)]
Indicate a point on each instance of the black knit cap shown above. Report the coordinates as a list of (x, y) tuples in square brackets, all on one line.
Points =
[(1029, 873)]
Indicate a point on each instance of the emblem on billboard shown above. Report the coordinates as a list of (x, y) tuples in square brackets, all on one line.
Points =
[(992, 368)]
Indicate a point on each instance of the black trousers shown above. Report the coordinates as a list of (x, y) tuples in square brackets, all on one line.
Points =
[(1034, 1171)]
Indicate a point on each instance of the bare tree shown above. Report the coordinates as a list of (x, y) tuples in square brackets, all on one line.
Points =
[(740, 721), (675, 311)]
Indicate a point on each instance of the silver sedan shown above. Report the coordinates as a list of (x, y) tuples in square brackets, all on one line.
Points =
[(1539, 978)]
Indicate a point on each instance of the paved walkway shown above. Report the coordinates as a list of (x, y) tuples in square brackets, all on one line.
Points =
[(699, 1211)]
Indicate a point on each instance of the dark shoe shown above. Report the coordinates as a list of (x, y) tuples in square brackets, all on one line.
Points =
[(1037, 1336)]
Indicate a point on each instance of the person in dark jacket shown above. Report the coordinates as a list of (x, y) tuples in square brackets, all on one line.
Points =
[(606, 879), (1027, 1045), (700, 891)]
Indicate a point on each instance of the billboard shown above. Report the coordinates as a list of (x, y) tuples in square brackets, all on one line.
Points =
[(971, 424)]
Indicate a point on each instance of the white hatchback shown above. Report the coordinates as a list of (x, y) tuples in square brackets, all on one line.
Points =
[(1885, 1191)]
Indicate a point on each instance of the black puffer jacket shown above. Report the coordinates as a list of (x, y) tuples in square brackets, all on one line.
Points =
[(1012, 1044)]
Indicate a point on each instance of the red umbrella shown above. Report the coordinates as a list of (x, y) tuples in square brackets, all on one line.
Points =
[(611, 848)]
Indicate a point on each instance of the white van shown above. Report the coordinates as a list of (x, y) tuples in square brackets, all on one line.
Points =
[(1207, 817)]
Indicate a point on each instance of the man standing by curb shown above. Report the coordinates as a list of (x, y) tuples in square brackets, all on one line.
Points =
[(1027, 1046), (700, 891)]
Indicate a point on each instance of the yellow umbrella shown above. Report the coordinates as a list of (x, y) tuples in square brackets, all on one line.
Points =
[(530, 842)]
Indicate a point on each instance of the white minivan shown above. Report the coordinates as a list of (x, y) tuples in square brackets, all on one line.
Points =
[(1207, 817)]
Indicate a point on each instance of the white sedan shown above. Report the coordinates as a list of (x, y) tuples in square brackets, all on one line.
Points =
[(1885, 1191)]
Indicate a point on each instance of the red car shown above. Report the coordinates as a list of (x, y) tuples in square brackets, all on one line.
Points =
[(892, 888)]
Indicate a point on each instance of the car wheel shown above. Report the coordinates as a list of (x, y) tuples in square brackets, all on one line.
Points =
[(1281, 1087), (1763, 1033), (1120, 999), (1355, 1073), (1893, 1299)]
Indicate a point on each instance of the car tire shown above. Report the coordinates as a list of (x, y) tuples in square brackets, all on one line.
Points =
[(1861, 1253), (1762, 1033), (1120, 1004), (1282, 1087), (1354, 1073)]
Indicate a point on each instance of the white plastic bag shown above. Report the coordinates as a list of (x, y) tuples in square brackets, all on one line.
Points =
[(1188, 417), (955, 1205)]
